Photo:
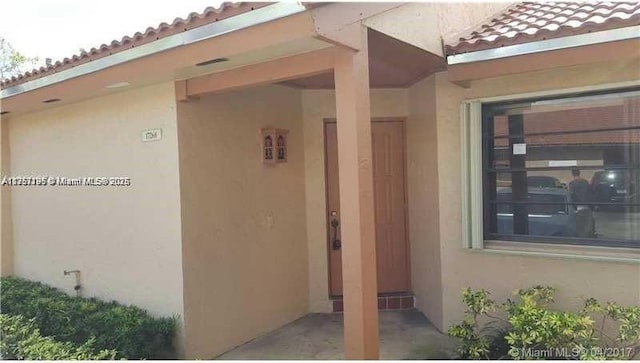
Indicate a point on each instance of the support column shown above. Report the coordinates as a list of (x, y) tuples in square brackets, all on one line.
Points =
[(359, 277), (6, 231)]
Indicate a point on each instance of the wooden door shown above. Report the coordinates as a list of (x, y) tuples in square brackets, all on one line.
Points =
[(388, 148)]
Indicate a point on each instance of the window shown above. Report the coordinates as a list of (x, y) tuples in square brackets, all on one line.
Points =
[(561, 170)]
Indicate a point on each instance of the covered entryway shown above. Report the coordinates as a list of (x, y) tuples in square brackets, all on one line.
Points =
[(266, 223), (392, 252)]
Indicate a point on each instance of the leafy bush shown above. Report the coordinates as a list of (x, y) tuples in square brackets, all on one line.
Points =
[(21, 339), (532, 331), (131, 331)]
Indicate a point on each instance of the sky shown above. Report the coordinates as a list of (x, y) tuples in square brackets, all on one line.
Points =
[(59, 28)]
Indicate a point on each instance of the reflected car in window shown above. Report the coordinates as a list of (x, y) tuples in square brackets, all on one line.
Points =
[(548, 214), (613, 186), (544, 181)]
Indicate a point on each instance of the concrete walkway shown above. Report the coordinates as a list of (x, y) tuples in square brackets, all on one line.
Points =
[(403, 335)]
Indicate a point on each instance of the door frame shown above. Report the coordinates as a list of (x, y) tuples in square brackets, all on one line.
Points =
[(403, 122)]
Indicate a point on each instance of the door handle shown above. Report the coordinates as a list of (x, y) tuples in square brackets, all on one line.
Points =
[(336, 244)]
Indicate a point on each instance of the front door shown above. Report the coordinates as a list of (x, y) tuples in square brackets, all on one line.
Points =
[(388, 149)]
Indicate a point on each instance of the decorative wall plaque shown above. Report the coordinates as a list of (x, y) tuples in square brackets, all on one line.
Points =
[(274, 145)]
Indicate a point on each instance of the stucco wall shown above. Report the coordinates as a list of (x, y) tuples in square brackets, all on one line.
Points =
[(244, 236), (6, 225), (124, 240), (501, 274), (318, 105), (422, 181)]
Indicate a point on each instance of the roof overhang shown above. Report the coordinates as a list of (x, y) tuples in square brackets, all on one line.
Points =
[(632, 32), (238, 22), (270, 32), (274, 32)]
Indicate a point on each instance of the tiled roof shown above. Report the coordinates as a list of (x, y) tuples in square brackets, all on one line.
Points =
[(533, 21), (194, 20)]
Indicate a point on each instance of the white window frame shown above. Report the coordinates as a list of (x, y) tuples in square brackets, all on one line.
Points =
[(471, 153)]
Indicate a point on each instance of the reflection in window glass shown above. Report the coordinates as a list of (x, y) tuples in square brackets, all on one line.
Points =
[(563, 170)]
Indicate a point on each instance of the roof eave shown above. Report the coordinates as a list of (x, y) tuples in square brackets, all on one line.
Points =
[(235, 23), (612, 35)]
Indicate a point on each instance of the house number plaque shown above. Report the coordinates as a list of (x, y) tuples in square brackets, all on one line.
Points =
[(151, 135)]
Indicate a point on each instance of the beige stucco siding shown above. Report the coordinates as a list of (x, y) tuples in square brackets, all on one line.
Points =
[(422, 182), (124, 240), (244, 228), (317, 106), (501, 274), (6, 225)]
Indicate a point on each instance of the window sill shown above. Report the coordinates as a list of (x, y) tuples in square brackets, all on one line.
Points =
[(590, 253)]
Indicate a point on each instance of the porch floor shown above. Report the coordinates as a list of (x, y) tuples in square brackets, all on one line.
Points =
[(404, 334)]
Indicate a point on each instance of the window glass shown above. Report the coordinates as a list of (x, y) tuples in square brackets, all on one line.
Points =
[(563, 170)]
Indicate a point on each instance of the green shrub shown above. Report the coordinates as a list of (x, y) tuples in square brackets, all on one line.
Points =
[(531, 330), (21, 339), (131, 331)]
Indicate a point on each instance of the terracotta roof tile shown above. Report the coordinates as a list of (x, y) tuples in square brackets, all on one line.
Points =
[(194, 20), (533, 21)]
